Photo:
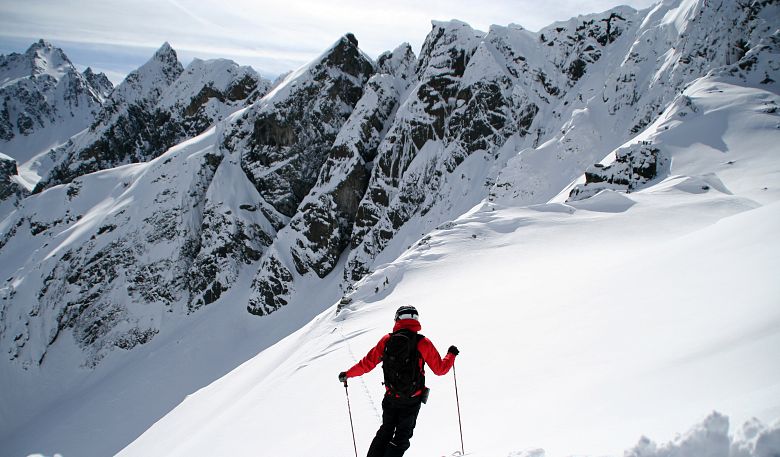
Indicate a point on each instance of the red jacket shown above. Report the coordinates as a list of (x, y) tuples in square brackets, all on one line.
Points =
[(428, 351)]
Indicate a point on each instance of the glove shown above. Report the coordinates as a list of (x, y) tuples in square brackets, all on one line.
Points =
[(453, 350), (343, 376)]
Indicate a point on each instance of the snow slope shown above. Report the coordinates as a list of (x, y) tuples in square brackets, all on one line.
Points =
[(581, 326), (50, 406)]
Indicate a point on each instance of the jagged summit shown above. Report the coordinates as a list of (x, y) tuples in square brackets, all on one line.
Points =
[(41, 58), (44, 47), (351, 37), (346, 55), (346, 41), (220, 79), (398, 62), (46, 56), (45, 101), (164, 60), (168, 58), (99, 81), (342, 51), (157, 105), (164, 50), (448, 44), (40, 44), (150, 79)]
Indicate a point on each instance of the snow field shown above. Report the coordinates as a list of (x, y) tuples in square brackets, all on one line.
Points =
[(579, 360)]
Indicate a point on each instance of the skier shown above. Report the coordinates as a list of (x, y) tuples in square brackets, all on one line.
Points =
[(402, 354)]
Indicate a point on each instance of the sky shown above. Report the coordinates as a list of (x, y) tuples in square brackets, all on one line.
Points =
[(117, 36)]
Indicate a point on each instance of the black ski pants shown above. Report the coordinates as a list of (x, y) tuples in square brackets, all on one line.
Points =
[(399, 416)]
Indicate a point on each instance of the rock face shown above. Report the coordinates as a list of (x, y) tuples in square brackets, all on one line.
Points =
[(157, 106), (108, 269), (634, 167), (99, 81), (322, 228), (462, 103), (475, 97), (653, 58), (194, 185), (285, 138), (234, 233), (44, 99), (11, 192), (283, 141), (748, 50)]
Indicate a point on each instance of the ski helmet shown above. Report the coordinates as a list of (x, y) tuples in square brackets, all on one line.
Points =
[(406, 312)]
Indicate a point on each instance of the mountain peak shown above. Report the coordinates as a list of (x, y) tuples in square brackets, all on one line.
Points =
[(347, 41), (448, 45), (351, 38), (166, 59), (46, 58), (149, 80), (400, 62), (39, 45), (166, 55), (98, 81), (346, 54), (165, 50), (43, 47)]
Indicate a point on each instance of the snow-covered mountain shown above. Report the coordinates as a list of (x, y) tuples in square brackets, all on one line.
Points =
[(204, 216), (45, 101), (157, 106)]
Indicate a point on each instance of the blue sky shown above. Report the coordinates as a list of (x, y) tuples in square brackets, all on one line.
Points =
[(116, 36)]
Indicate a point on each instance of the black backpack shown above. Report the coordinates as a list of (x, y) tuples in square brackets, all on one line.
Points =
[(401, 363)]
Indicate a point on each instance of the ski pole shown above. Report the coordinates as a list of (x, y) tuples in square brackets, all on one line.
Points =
[(457, 402), (349, 408)]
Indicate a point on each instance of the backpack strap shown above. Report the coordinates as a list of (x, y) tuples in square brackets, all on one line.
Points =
[(419, 337)]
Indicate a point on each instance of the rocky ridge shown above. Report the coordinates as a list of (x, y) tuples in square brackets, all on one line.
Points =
[(283, 142), (157, 106)]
